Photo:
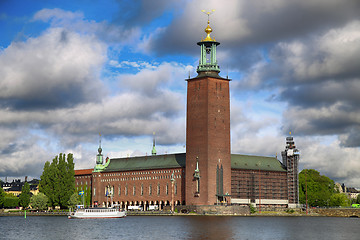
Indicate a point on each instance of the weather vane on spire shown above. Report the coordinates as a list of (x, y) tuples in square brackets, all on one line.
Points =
[(208, 29), (208, 13)]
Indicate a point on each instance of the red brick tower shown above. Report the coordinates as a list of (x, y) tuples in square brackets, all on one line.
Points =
[(208, 163)]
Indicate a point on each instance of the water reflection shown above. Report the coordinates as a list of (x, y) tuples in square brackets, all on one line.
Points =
[(210, 227), (180, 227)]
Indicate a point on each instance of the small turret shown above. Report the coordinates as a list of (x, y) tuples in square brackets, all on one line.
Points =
[(99, 156), (153, 151), (99, 159)]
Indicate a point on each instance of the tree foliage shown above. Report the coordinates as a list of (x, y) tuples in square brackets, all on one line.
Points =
[(58, 180), (39, 201), (319, 188), (74, 200), (358, 199), (339, 200), (11, 202), (24, 198), (2, 197)]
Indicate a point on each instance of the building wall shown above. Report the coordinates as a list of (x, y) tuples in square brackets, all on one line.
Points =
[(83, 180), (207, 138), (145, 187), (244, 187), (252, 185)]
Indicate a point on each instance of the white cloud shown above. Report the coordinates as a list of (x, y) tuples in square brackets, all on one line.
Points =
[(75, 21), (331, 160), (58, 68)]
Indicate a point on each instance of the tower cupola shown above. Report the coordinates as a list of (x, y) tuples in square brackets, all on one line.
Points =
[(208, 62)]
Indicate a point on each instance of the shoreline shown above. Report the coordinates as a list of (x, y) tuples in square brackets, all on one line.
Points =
[(264, 214)]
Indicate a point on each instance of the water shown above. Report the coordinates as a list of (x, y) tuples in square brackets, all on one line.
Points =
[(184, 227)]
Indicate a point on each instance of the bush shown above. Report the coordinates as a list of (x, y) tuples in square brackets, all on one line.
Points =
[(290, 210), (11, 202), (39, 201), (252, 209)]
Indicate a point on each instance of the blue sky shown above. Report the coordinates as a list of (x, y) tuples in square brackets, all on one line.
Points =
[(72, 69)]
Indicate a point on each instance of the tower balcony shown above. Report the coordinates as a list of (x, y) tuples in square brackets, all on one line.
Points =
[(208, 67)]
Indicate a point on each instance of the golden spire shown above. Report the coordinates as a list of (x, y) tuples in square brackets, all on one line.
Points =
[(208, 29)]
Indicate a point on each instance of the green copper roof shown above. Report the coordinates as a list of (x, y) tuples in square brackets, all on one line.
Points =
[(255, 163), (147, 162), (178, 160)]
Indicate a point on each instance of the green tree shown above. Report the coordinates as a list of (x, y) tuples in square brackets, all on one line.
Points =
[(39, 201), (66, 179), (57, 181), (24, 198), (339, 200), (49, 182), (73, 201), (319, 188), (2, 197), (11, 201), (358, 199)]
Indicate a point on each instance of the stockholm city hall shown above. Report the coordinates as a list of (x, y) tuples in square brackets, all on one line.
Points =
[(207, 174)]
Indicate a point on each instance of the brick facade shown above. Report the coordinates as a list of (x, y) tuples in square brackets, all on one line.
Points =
[(208, 140), (137, 188)]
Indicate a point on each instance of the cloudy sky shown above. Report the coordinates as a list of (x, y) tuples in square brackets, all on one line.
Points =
[(72, 69)]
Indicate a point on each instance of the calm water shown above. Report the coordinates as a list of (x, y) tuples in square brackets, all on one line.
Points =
[(187, 227)]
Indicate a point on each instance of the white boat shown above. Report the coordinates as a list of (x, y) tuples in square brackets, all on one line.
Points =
[(97, 213)]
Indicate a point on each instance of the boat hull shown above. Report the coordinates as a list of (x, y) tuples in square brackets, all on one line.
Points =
[(97, 213)]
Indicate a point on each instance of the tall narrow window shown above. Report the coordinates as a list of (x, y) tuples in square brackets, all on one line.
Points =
[(94, 191), (175, 188), (119, 190), (197, 185), (126, 190), (142, 190), (134, 190), (150, 189), (158, 189), (167, 189)]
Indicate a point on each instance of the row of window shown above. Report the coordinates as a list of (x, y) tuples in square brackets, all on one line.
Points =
[(141, 173), (140, 178), (86, 176), (109, 190), (81, 183)]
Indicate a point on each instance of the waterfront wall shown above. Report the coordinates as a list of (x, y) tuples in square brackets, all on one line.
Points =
[(337, 212), (215, 210)]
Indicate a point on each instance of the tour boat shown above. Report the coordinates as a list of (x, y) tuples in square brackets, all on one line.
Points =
[(97, 213)]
